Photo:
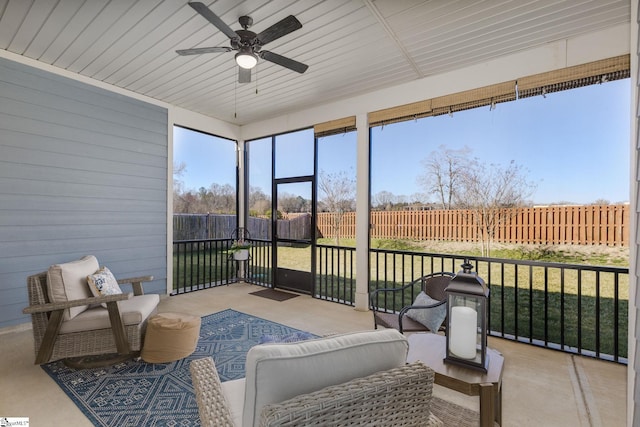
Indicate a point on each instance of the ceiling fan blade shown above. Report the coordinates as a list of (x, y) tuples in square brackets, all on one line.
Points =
[(244, 75), (279, 29), (284, 61), (213, 18), (199, 50)]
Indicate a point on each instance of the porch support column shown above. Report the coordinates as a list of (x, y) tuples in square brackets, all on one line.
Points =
[(241, 164), (362, 214), (633, 371)]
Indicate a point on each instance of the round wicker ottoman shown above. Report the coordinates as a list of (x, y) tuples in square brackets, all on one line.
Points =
[(169, 337)]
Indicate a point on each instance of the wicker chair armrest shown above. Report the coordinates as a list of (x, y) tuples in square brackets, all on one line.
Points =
[(136, 283), (399, 396), (52, 306), (212, 406)]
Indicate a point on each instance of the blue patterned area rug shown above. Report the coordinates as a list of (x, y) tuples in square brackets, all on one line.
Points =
[(135, 393)]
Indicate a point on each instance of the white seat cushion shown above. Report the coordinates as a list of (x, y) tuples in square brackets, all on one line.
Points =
[(277, 372), (133, 311), (68, 282), (233, 392)]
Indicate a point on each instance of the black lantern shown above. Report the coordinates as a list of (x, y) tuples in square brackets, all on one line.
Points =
[(467, 297)]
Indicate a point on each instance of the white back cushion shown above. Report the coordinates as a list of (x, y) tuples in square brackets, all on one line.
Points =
[(277, 372), (68, 281)]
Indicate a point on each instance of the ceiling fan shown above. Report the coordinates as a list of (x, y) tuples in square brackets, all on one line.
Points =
[(247, 43)]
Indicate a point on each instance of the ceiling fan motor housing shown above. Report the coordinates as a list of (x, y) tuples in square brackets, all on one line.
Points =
[(247, 39)]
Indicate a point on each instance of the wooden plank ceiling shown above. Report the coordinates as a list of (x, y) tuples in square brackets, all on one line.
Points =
[(351, 47)]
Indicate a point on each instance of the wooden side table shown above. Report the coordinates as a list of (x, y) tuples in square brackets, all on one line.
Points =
[(431, 348)]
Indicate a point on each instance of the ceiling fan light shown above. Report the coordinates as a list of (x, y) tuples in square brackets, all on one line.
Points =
[(246, 60)]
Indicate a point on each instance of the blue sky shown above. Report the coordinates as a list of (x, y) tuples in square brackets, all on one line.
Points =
[(574, 145), (208, 158)]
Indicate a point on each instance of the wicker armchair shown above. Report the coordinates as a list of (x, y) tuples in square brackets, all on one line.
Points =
[(395, 397), (118, 328), (382, 302), (358, 378)]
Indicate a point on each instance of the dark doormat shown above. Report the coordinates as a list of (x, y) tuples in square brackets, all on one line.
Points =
[(274, 294)]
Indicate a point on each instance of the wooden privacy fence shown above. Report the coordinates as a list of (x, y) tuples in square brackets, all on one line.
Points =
[(203, 226), (296, 227), (214, 226), (572, 225)]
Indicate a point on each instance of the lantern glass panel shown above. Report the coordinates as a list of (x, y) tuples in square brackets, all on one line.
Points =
[(465, 327)]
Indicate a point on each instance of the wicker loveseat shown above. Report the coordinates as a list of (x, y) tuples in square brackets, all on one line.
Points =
[(68, 322), (351, 379)]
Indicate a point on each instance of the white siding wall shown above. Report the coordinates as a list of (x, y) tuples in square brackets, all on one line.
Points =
[(82, 171)]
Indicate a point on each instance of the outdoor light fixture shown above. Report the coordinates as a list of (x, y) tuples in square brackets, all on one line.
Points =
[(246, 58), (467, 297)]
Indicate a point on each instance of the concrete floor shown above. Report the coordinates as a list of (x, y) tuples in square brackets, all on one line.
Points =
[(540, 387)]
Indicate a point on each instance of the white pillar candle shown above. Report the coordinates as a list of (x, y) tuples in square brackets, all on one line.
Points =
[(463, 327)]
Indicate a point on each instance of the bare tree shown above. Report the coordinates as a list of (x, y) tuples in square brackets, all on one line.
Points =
[(419, 198), (179, 169), (384, 200), (185, 202), (337, 195), (489, 192), (259, 202), (291, 203), (221, 199), (443, 172)]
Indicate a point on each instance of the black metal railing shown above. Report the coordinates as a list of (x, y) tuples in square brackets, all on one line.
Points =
[(335, 274), (575, 308), (207, 263), (259, 269), (579, 309), (201, 264)]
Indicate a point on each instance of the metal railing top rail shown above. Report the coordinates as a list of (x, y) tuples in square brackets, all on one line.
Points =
[(204, 240), (589, 267)]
